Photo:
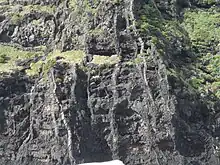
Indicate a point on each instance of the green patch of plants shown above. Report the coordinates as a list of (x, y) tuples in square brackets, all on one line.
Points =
[(163, 32), (85, 8), (35, 68), (212, 66), (4, 9), (150, 19), (202, 27), (91, 7), (71, 57), (105, 60), (10, 55), (72, 4), (199, 30), (39, 8), (36, 22), (196, 82), (96, 31), (172, 72), (16, 17), (3, 58), (41, 48), (3, 1), (207, 2), (116, 2), (173, 29), (216, 88), (207, 73)]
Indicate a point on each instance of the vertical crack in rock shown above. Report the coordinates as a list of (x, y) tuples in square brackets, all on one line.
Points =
[(23, 149), (89, 99), (54, 104), (113, 125), (117, 44), (132, 19), (65, 120)]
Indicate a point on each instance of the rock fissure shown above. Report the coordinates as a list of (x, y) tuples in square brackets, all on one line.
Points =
[(113, 125), (66, 123), (55, 105), (30, 136)]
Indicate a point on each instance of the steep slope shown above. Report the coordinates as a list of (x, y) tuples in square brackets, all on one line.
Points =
[(86, 81)]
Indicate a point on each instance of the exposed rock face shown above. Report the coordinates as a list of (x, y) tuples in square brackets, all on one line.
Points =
[(138, 110)]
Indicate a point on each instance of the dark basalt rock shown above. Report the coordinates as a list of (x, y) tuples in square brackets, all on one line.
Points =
[(136, 111)]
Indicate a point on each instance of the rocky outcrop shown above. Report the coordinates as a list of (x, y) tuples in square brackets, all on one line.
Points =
[(72, 109)]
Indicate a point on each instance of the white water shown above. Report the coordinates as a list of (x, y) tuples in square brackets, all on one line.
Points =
[(112, 162)]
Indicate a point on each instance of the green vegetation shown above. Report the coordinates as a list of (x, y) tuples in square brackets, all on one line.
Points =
[(150, 19), (138, 60), (196, 82), (212, 76), (71, 57), (213, 64), (202, 27), (87, 7), (207, 2), (10, 55), (3, 58), (2, 1), (37, 22), (105, 60), (16, 17), (162, 32), (96, 32), (203, 30), (72, 4), (200, 31), (41, 48), (39, 8), (116, 2)]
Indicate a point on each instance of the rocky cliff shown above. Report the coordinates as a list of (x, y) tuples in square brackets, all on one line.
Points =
[(135, 80)]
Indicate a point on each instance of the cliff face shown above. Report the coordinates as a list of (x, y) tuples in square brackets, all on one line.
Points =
[(85, 81)]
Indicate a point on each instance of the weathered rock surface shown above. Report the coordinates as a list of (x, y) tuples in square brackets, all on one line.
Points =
[(134, 110)]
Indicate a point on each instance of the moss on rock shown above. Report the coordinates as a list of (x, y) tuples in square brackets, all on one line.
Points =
[(10, 55), (70, 57), (105, 60)]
